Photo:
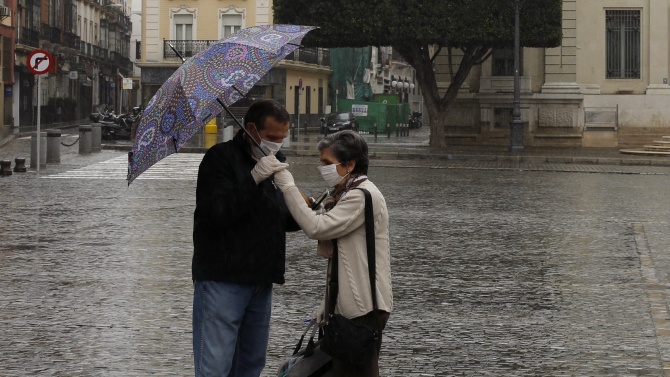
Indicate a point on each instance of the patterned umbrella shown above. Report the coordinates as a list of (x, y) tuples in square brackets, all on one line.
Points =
[(201, 87)]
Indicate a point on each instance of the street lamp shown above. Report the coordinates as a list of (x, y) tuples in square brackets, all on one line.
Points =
[(516, 125)]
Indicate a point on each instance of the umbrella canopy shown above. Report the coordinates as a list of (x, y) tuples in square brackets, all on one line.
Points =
[(200, 88)]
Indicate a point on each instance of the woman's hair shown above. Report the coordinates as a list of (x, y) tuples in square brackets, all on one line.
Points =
[(262, 109), (348, 146)]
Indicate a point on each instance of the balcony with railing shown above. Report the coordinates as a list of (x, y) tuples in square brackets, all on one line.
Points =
[(185, 48), (50, 33), (29, 37), (71, 40), (320, 56), (97, 52)]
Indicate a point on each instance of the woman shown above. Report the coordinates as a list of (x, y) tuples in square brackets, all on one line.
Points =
[(344, 166)]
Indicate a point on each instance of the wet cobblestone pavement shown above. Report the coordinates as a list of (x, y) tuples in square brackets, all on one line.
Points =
[(499, 269)]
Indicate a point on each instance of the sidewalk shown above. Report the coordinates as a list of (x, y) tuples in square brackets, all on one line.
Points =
[(412, 147)]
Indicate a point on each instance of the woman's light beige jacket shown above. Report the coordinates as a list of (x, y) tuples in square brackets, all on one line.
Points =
[(346, 223)]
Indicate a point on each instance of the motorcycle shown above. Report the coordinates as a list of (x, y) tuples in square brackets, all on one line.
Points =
[(105, 114), (121, 127), (415, 119)]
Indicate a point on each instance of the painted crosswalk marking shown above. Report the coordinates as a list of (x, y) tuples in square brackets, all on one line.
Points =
[(180, 166)]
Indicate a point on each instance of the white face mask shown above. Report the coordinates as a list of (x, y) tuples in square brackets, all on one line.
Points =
[(268, 147), (330, 175)]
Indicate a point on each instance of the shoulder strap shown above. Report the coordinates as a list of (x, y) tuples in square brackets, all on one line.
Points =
[(370, 241), (370, 246)]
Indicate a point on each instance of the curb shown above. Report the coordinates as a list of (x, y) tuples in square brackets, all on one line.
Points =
[(301, 151)]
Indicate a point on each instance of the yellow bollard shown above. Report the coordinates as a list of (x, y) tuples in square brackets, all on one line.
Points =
[(210, 140), (210, 127), (211, 131)]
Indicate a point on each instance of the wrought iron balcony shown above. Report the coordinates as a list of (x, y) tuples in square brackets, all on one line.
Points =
[(51, 34), (71, 40), (29, 37), (185, 48), (320, 56), (97, 52)]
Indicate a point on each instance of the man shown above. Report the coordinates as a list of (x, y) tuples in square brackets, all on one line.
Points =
[(239, 242)]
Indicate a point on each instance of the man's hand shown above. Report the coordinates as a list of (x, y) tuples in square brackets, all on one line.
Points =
[(284, 180), (265, 167)]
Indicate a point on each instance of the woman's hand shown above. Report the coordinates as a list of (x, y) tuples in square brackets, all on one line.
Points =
[(284, 180)]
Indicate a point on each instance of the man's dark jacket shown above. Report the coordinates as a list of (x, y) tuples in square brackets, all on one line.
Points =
[(239, 230)]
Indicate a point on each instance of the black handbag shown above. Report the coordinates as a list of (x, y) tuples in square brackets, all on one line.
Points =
[(342, 338), (310, 361)]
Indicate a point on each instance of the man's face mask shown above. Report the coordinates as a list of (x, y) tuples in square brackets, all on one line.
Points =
[(268, 147)]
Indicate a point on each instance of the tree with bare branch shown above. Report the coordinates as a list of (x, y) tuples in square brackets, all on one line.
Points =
[(419, 30)]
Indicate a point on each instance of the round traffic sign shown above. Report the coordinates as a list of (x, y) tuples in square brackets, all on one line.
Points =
[(39, 62)]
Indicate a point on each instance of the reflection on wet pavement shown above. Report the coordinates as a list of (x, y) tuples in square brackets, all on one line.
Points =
[(495, 272)]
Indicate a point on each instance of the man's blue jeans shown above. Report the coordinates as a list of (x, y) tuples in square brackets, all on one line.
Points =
[(231, 327)]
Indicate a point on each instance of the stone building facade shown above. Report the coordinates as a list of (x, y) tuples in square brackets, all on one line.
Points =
[(299, 82), (605, 86)]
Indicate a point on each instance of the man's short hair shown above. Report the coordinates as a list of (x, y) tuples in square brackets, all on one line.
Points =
[(262, 109)]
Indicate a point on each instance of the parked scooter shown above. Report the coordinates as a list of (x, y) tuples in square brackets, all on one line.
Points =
[(105, 114), (415, 119), (120, 127)]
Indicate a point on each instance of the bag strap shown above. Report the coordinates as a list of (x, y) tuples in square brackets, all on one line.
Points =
[(304, 333), (333, 286)]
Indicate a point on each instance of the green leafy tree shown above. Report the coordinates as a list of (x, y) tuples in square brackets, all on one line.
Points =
[(419, 30)]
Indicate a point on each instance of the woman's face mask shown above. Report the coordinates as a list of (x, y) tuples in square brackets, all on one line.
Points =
[(330, 175)]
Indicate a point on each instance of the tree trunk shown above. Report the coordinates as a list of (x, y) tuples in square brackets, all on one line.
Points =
[(438, 124), (418, 57)]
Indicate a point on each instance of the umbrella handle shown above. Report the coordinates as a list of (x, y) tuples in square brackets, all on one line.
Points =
[(241, 126), (176, 52)]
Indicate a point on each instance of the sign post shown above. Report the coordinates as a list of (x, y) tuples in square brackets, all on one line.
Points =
[(39, 63), (299, 93)]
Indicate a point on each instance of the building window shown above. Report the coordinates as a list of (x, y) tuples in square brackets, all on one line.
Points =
[(183, 27), (623, 44), (503, 62), (231, 24)]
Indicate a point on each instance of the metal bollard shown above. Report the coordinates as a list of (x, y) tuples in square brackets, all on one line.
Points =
[(53, 146), (294, 134), (96, 138), (5, 168), (84, 139), (20, 165), (375, 125), (33, 149), (388, 130)]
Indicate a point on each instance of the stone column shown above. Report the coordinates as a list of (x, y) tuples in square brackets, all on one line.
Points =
[(53, 146), (84, 139), (658, 51), (96, 137)]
